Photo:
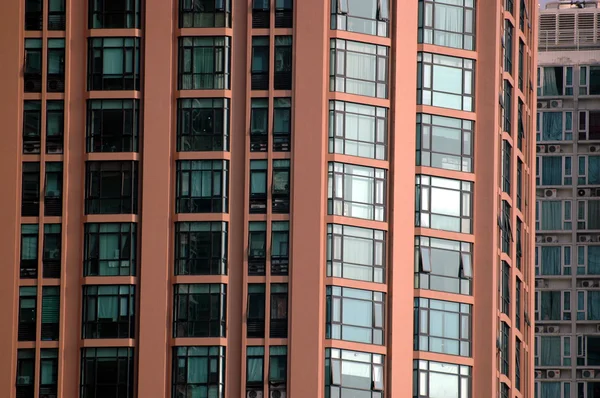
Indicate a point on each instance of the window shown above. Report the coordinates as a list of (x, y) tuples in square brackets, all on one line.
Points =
[(279, 310), (356, 191), (110, 249), (445, 142), (30, 186), (283, 63), (519, 256), (259, 124), (280, 243), (554, 261), (280, 190), (204, 63), (32, 126), (518, 303), (282, 124), (29, 251), (551, 389), (53, 189), (356, 253), (587, 213), (370, 17), (358, 68), (504, 390), (589, 125), (443, 327), (255, 368), (284, 13), (446, 82), (113, 125), (260, 63), (444, 204), (508, 47), (258, 186), (200, 310), (52, 250), (556, 215), (555, 81), (48, 372), (358, 130), (505, 288), (27, 313), (443, 265), (355, 315), (589, 80), (439, 379), (549, 351), (449, 24), (557, 170), (33, 18), (521, 58), (261, 14), (56, 65), (56, 15), (277, 369), (32, 72), (519, 198), (517, 363), (521, 125), (201, 248), (114, 14), (55, 126), (114, 63), (111, 187), (507, 107), (353, 373), (25, 373), (554, 126), (199, 370), (588, 170), (205, 13), (256, 311), (107, 372), (203, 124), (504, 353), (257, 244), (108, 312), (506, 228), (202, 186), (50, 312)]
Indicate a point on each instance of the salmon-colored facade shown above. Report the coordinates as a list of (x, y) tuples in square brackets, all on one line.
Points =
[(227, 198)]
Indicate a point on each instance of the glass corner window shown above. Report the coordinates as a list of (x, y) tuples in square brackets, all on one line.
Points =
[(448, 24), (204, 62)]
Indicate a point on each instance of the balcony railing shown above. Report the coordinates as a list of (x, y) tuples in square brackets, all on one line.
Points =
[(280, 265), (258, 203), (281, 142), (258, 142)]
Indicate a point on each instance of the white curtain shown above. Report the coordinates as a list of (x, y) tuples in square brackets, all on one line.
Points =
[(364, 67), (448, 19)]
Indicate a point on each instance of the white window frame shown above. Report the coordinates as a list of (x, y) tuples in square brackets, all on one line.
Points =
[(586, 73), (563, 309), (585, 168), (584, 292), (539, 174), (538, 209), (538, 127), (538, 388), (584, 265), (537, 254), (567, 218), (566, 175), (566, 86), (564, 263), (564, 341), (584, 219), (541, 79), (582, 347), (586, 126), (537, 305)]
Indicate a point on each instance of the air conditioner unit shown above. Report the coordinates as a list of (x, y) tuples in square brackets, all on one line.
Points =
[(553, 148), (584, 238), (584, 192), (540, 283), (556, 104), (540, 148), (277, 394), (587, 284), (539, 329), (588, 374), (552, 329), (594, 148), (553, 374), (550, 193), (538, 374), (542, 104), (551, 239), (539, 239), (254, 394)]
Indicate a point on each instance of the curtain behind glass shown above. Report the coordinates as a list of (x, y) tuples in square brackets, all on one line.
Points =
[(593, 215), (550, 389), (112, 61), (593, 170), (448, 19), (551, 260), (551, 305), (550, 353), (551, 215), (552, 170), (552, 126), (593, 305), (550, 87), (197, 370), (593, 260)]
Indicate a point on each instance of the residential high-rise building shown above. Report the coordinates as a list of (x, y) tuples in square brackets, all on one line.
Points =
[(267, 198), (567, 253)]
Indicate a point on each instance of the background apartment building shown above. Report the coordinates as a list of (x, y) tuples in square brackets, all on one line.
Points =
[(567, 253), (227, 198)]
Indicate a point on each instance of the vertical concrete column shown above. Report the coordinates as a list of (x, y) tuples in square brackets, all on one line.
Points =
[(308, 199), (400, 208), (155, 172), (11, 81)]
